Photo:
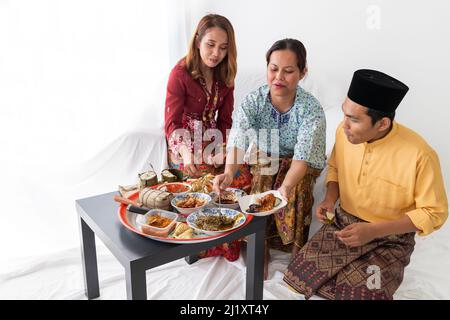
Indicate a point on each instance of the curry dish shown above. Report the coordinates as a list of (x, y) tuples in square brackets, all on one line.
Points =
[(158, 221)]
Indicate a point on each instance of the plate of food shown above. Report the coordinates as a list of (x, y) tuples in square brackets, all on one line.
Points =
[(262, 204), (182, 233), (216, 221), (228, 198)]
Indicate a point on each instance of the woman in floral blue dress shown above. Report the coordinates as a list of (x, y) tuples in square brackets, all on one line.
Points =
[(286, 125)]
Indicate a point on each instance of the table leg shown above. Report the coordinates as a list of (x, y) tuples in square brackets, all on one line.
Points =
[(136, 282), (191, 259), (255, 266), (89, 258)]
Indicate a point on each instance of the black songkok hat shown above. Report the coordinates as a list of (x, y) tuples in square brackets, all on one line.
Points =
[(376, 90)]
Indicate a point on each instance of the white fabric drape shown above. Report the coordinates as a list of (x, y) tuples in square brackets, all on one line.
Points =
[(82, 87), (179, 31)]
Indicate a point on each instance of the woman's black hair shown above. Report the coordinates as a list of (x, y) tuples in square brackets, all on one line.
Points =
[(291, 44)]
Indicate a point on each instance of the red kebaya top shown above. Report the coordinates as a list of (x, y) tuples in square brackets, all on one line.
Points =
[(189, 105)]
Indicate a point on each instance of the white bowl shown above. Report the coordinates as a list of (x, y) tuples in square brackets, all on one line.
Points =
[(192, 218), (245, 202), (187, 211), (238, 194)]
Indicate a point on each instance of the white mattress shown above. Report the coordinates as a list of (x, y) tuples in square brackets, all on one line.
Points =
[(59, 276)]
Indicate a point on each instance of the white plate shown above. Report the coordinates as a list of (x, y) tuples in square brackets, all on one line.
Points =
[(191, 219), (245, 202)]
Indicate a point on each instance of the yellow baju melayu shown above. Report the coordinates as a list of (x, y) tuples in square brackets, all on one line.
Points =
[(388, 178)]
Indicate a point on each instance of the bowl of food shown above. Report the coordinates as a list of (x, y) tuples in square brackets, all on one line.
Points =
[(157, 222), (229, 198), (175, 188), (262, 204), (215, 221), (190, 202)]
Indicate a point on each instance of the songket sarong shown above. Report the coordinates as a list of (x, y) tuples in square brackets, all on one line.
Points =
[(326, 267), (290, 225)]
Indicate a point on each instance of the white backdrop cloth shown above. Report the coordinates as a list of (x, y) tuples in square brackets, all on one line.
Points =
[(59, 276)]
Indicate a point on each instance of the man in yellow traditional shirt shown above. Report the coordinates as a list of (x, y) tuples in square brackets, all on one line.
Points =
[(389, 184)]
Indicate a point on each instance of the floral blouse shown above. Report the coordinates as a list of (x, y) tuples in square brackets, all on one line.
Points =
[(299, 132)]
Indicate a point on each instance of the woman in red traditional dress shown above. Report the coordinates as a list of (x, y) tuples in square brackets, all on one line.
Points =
[(199, 104)]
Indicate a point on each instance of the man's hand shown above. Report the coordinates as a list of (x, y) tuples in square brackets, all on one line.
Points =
[(356, 234), (221, 182), (322, 208)]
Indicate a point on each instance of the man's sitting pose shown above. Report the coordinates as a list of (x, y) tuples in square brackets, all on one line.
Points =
[(390, 186)]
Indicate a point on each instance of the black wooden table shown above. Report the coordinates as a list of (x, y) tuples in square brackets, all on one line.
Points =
[(98, 216)]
